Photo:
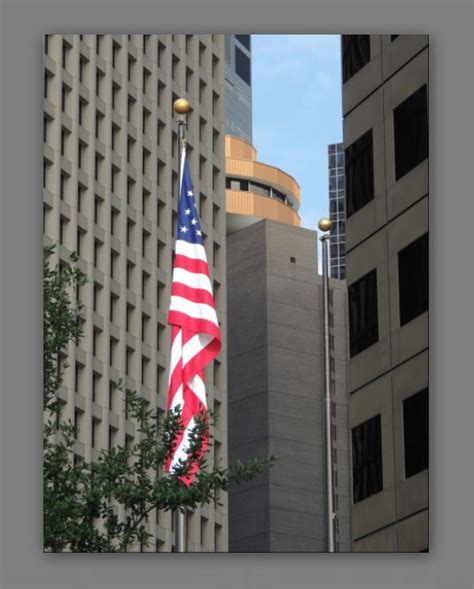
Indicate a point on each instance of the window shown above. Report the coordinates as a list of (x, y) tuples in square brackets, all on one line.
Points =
[(413, 279), (410, 121), (359, 163), (355, 54), (95, 385), (98, 125), (81, 154), (64, 98), (242, 65), (99, 76), (82, 111), (62, 186), (363, 313), (393, 37), (146, 81), (46, 85), (416, 432), (82, 69), (94, 431), (115, 95), (160, 53), (65, 56), (64, 141), (244, 39), (115, 136), (115, 54), (367, 475)]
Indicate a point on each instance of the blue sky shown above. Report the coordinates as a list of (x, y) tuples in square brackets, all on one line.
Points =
[(297, 111)]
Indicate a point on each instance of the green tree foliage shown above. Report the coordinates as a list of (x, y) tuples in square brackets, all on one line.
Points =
[(103, 506)]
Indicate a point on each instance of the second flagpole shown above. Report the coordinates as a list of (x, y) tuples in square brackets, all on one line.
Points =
[(181, 108)]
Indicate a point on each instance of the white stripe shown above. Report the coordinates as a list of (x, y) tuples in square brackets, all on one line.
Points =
[(178, 399), (196, 384), (192, 279), (190, 250), (176, 350), (195, 345), (195, 310), (182, 449)]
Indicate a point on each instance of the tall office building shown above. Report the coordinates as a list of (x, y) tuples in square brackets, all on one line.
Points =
[(337, 211), (385, 104), (238, 86), (110, 160), (275, 367)]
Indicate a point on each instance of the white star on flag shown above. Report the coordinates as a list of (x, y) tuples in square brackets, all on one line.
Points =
[(193, 221), (198, 232), (183, 229), (187, 212), (190, 193)]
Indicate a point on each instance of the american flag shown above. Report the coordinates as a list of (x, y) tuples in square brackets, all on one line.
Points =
[(195, 333)]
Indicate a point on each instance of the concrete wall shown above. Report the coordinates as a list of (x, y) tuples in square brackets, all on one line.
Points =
[(275, 390)]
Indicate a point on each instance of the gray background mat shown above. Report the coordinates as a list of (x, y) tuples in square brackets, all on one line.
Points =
[(450, 563)]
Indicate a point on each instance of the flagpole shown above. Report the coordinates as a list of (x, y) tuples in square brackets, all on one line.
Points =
[(181, 108), (325, 225)]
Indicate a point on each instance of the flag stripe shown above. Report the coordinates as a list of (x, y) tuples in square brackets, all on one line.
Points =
[(191, 279), (195, 295), (194, 310), (191, 250), (190, 264)]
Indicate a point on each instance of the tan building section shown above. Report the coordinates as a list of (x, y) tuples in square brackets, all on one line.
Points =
[(255, 190), (110, 161), (385, 103)]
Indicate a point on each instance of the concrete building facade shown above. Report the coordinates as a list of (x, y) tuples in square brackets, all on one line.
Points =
[(276, 391), (110, 161), (337, 211), (238, 86), (385, 104)]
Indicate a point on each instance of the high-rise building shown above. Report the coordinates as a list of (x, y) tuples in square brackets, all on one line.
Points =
[(337, 211), (238, 86), (275, 365), (276, 392), (110, 161), (385, 108)]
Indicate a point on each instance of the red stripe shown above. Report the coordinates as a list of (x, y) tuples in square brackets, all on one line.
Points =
[(191, 264), (195, 325), (195, 295)]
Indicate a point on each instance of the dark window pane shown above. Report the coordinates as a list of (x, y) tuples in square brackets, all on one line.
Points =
[(393, 37), (244, 39), (359, 165), (367, 474), (355, 54), (416, 432), (413, 279), (363, 313), (410, 120), (242, 65)]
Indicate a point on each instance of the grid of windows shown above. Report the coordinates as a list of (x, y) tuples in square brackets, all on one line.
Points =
[(337, 211), (367, 476), (114, 198)]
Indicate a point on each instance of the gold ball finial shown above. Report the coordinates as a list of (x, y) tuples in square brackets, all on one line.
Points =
[(324, 224), (182, 106)]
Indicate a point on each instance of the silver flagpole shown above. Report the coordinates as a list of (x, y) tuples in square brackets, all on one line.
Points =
[(181, 108), (325, 225)]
